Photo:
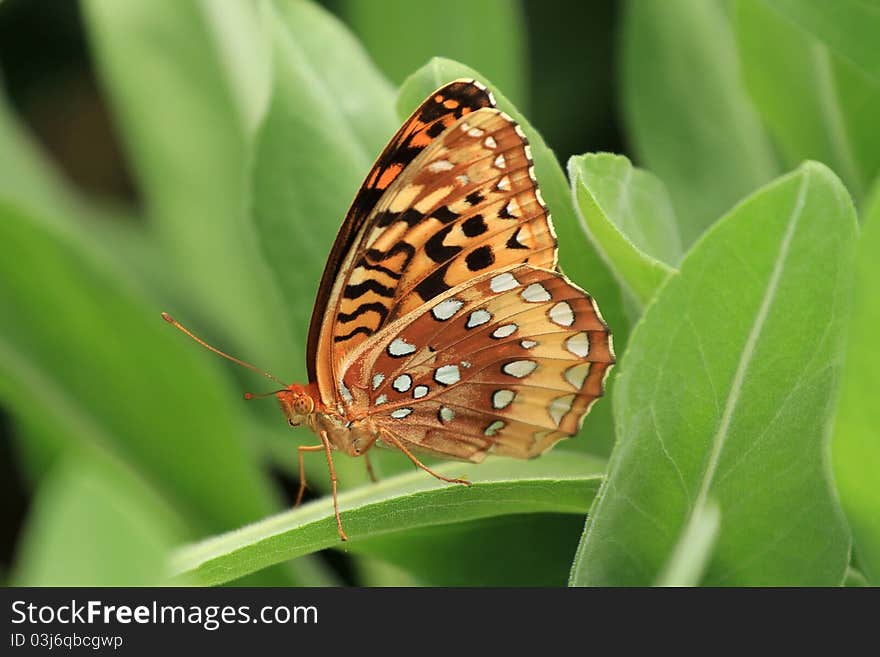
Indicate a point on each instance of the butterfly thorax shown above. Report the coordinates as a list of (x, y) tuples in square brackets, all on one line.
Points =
[(299, 405)]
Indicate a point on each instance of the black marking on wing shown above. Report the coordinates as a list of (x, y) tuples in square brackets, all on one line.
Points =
[(434, 284), (354, 332), (444, 215), (362, 263), (474, 197), (514, 243), (474, 226), (436, 250), (480, 258), (377, 255), (504, 214), (369, 285), (375, 307)]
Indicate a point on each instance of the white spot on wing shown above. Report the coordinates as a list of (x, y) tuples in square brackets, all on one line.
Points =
[(447, 375), (559, 407), (502, 398), (577, 374), (503, 282), (401, 413), (400, 347), (420, 391), (579, 344), (500, 162), (520, 368), (345, 392), (528, 344), (494, 428), (446, 309), (504, 331), (446, 414), (512, 209), (490, 142), (562, 314), (533, 293), (377, 380), (381, 399), (438, 166), (402, 383), (462, 179), (478, 318), (503, 184), (476, 132)]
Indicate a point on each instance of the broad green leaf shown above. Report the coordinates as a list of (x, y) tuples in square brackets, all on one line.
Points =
[(92, 523), (237, 30), (490, 38), (726, 392), (688, 114), (83, 348), (856, 445), (628, 215), (558, 482), (816, 104), (26, 177), (849, 27), (185, 138), (694, 549), (329, 114), (577, 256)]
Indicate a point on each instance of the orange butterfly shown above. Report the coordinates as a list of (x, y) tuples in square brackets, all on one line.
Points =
[(442, 323)]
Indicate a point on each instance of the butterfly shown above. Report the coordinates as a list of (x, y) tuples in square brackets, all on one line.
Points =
[(442, 323)]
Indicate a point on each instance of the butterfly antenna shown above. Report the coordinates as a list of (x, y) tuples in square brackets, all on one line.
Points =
[(168, 318)]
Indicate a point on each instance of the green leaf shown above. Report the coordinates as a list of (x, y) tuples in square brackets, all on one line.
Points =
[(329, 115), (848, 27), (856, 444), (492, 37), (726, 392), (688, 114), (92, 523), (189, 154), (628, 215), (577, 256), (694, 549), (558, 482), (26, 177), (83, 348), (816, 104)]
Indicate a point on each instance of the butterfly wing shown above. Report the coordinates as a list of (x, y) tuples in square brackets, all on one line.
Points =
[(429, 121), (468, 203), (508, 363)]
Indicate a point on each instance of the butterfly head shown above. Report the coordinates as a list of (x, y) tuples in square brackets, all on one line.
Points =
[(297, 403)]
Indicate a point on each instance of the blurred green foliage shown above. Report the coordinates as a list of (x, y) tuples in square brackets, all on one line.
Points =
[(247, 127)]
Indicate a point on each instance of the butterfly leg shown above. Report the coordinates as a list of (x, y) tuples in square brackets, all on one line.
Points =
[(370, 472), (389, 437), (326, 441), (302, 472)]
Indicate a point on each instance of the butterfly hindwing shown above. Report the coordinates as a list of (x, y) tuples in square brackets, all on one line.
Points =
[(508, 362)]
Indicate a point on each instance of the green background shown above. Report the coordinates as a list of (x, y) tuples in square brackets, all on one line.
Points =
[(712, 171)]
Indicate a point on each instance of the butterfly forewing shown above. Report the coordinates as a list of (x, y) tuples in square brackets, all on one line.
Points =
[(508, 362), (443, 108), (467, 204)]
